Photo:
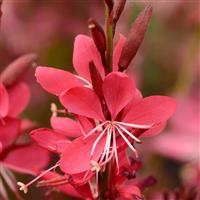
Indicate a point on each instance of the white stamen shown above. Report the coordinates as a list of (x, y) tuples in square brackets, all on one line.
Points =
[(109, 158), (97, 140), (97, 123), (135, 125), (107, 146), (24, 187), (93, 188), (53, 182), (109, 141), (129, 133), (95, 129), (115, 150), (127, 141), (54, 109), (111, 129), (89, 85)]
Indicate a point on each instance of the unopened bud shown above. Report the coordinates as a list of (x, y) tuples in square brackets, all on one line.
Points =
[(98, 35), (0, 10), (17, 68), (110, 4), (135, 38), (96, 80), (120, 4)]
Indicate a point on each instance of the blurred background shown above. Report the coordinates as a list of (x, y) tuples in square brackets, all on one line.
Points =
[(168, 63)]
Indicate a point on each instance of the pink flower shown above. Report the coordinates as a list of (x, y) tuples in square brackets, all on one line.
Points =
[(124, 187), (183, 133), (109, 114), (181, 141), (11, 128), (56, 81), (129, 112), (57, 142)]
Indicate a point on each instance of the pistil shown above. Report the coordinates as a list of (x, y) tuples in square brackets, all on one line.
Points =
[(24, 187)]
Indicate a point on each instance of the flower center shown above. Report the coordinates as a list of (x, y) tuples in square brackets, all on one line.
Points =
[(113, 129)]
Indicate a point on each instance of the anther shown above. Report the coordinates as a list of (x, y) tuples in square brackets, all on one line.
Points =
[(23, 187), (54, 109), (95, 166)]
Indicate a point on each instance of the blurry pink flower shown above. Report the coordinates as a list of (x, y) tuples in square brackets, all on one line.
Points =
[(50, 20), (13, 100), (57, 142), (181, 141), (63, 184)]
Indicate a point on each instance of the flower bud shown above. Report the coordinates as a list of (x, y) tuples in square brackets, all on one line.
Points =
[(135, 38), (110, 4), (16, 69), (118, 10), (96, 80), (98, 35)]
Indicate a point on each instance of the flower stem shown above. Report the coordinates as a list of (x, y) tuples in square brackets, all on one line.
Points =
[(105, 176), (105, 181), (109, 38)]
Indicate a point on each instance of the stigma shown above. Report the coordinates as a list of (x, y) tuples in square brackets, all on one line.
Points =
[(24, 187)]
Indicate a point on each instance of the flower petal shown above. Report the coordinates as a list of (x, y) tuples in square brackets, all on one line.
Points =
[(17, 103), (1, 147), (171, 145), (154, 131), (15, 70), (65, 188), (118, 90), (86, 124), (129, 191), (9, 130), (85, 51), (67, 126), (117, 52), (151, 110), (80, 160), (136, 99), (50, 140), (82, 101), (55, 80), (4, 102), (26, 158), (27, 125)]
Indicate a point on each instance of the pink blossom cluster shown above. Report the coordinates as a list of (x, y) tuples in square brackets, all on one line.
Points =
[(104, 114), (103, 118), (16, 154)]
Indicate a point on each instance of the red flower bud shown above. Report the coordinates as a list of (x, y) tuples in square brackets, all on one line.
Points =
[(98, 35), (135, 38), (16, 69), (96, 80), (110, 4), (118, 10)]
